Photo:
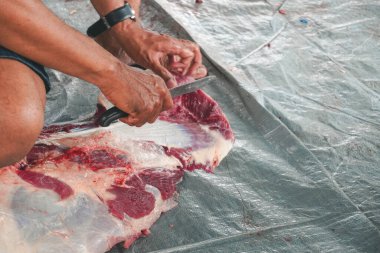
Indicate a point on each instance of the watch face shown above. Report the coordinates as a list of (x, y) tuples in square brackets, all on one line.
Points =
[(133, 14)]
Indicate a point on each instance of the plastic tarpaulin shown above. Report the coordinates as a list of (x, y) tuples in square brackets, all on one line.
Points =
[(300, 84)]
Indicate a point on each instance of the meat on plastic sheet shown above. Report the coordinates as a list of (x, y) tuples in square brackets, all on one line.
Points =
[(88, 189)]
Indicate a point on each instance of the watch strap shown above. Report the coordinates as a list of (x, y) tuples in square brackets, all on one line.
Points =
[(111, 19)]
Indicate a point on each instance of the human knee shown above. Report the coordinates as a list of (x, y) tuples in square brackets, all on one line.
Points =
[(19, 133), (22, 103)]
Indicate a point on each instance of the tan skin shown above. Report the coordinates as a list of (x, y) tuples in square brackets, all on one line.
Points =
[(20, 123), (161, 53), (45, 39)]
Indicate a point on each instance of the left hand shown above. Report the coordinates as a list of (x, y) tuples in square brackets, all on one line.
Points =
[(161, 53)]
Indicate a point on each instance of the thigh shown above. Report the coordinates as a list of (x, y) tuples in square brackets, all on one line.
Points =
[(20, 85), (22, 103)]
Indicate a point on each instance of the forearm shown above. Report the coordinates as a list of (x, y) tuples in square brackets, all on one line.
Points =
[(30, 29), (127, 26), (126, 31)]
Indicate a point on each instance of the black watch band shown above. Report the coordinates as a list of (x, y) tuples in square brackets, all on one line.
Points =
[(111, 19)]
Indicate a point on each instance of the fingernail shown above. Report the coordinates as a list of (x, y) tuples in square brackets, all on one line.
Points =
[(201, 70)]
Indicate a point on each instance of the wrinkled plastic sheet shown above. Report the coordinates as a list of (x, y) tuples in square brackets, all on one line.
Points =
[(301, 88)]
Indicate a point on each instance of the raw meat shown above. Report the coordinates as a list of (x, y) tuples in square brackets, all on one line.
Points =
[(83, 188)]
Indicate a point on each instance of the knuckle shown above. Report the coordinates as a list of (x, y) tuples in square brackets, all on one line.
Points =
[(152, 120), (150, 109), (169, 104), (127, 121), (165, 94), (158, 80), (139, 122), (161, 88)]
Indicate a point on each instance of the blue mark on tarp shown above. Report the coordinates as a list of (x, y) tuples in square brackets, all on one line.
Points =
[(304, 21)]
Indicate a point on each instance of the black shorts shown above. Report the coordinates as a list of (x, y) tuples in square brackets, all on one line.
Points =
[(38, 68)]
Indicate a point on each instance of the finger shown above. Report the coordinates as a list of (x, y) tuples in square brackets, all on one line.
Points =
[(171, 83), (174, 59), (182, 52), (166, 98), (132, 121), (197, 60), (137, 122), (194, 60), (176, 71), (187, 62), (160, 70), (176, 68), (135, 119), (165, 74), (160, 102), (140, 124), (200, 72), (176, 65), (155, 116), (153, 110), (154, 120), (168, 102)]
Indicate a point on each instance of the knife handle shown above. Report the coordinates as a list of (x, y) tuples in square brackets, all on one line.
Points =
[(110, 116), (114, 113)]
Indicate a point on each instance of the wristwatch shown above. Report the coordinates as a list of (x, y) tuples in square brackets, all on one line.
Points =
[(111, 19)]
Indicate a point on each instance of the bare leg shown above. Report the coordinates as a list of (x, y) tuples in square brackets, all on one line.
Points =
[(22, 104)]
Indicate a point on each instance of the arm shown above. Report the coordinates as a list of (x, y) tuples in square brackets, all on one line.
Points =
[(44, 38), (30, 29), (160, 53)]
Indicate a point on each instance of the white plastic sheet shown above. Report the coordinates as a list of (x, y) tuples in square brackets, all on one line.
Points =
[(299, 82)]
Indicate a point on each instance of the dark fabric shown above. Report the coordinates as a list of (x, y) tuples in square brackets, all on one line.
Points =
[(38, 68), (111, 19)]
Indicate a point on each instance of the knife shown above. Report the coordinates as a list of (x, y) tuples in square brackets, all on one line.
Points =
[(115, 113)]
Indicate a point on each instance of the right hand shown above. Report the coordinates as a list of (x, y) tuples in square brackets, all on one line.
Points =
[(140, 94)]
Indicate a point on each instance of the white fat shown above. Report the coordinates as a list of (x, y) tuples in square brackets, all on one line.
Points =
[(8, 224), (145, 145), (113, 229), (161, 132), (216, 150)]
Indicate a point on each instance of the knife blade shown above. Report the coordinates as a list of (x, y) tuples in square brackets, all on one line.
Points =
[(115, 113)]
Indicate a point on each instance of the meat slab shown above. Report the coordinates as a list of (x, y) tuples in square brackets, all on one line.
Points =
[(84, 188)]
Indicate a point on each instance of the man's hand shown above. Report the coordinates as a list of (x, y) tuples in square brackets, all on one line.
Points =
[(161, 53), (142, 95)]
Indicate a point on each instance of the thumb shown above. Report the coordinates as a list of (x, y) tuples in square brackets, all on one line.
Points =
[(165, 74)]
